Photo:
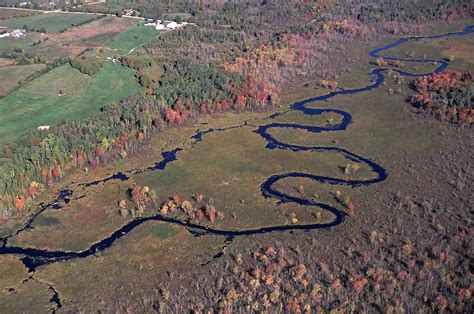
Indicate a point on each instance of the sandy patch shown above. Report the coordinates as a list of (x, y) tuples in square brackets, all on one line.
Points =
[(4, 62)]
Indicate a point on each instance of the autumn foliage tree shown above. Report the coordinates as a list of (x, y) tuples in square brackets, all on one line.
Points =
[(447, 95)]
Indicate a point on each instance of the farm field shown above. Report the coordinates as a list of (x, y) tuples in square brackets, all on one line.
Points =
[(39, 103), (70, 43), (84, 95), (12, 74), (133, 38), (6, 14), (95, 33), (51, 22)]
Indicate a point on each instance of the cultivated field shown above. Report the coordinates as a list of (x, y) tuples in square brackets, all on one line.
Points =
[(70, 43), (6, 14), (51, 22), (13, 74), (95, 33), (39, 102)]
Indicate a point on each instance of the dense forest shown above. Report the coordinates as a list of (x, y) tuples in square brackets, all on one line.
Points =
[(239, 57)]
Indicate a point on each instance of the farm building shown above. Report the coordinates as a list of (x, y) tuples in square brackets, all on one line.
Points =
[(17, 33)]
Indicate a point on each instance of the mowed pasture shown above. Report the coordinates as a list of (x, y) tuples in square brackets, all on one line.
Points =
[(12, 74), (76, 40), (51, 22), (40, 103), (135, 37)]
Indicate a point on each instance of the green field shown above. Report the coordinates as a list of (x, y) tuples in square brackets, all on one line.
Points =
[(133, 38), (11, 75), (39, 103), (52, 22)]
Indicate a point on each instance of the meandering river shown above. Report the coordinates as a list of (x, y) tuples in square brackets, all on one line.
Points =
[(33, 258)]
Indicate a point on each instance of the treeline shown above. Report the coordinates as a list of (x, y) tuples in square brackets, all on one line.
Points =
[(403, 10), (40, 157), (148, 72), (49, 66), (31, 29), (24, 58)]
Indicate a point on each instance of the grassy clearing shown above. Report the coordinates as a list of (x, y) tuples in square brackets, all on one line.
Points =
[(107, 25), (29, 297), (86, 222), (133, 38), (11, 75), (17, 294), (138, 260), (39, 103), (52, 22), (97, 32), (457, 47)]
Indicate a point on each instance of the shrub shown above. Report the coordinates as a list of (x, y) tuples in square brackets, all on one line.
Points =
[(89, 66)]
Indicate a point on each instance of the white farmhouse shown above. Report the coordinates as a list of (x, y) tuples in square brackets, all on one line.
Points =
[(17, 33), (168, 25)]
